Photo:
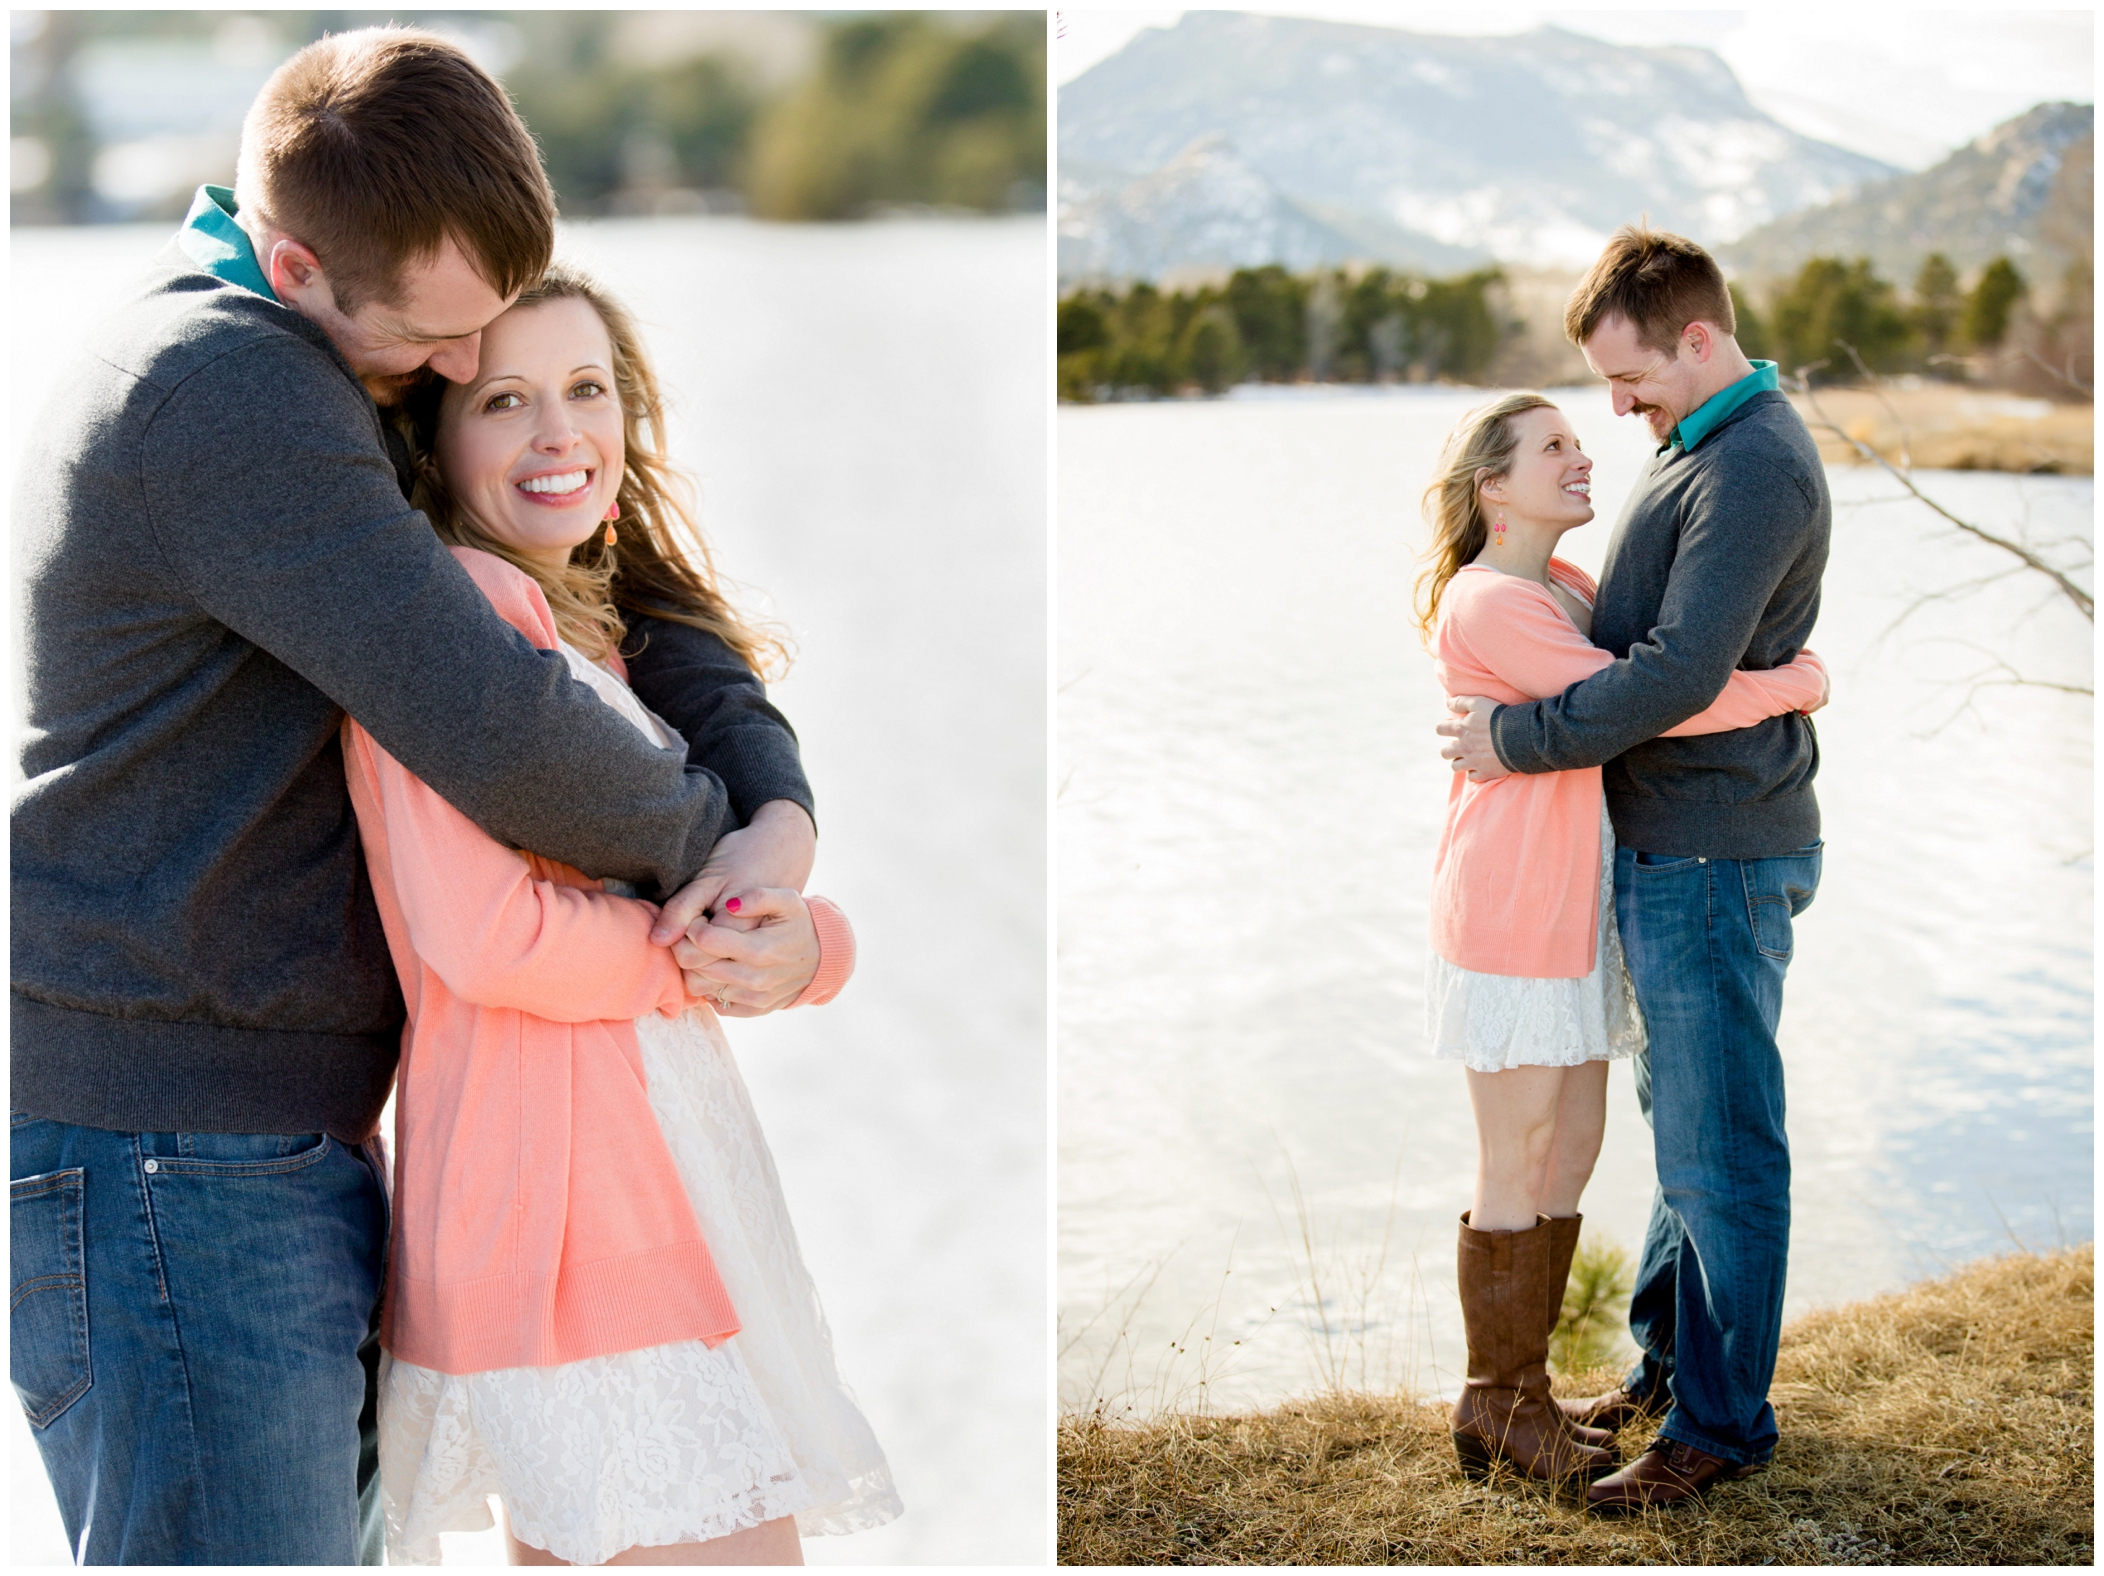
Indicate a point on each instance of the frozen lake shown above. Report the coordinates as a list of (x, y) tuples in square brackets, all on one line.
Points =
[(864, 408), (1249, 796)]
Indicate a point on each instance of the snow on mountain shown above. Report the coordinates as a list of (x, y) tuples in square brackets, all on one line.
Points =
[(1529, 149), (1209, 208)]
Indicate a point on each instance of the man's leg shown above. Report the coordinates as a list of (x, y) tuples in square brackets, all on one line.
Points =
[(1708, 943), (1656, 1292), (219, 1287), (1653, 1300)]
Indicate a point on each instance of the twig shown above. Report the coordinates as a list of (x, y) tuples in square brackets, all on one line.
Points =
[(2066, 376), (1906, 457), (2074, 593)]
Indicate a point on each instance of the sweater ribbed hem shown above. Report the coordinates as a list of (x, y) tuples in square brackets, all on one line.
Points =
[(149, 1075), (1763, 829), (622, 1304), (836, 954)]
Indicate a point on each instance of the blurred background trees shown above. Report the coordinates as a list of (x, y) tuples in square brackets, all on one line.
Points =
[(1333, 325), (1990, 329), (789, 115)]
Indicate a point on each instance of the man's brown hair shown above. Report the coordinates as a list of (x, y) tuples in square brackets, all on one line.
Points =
[(372, 147), (1658, 281)]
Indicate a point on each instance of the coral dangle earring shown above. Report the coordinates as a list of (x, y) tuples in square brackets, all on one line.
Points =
[(1500, 532), (613, 513)]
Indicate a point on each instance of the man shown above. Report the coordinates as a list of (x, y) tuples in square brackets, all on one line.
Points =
[(218, 562), (1715, 564)]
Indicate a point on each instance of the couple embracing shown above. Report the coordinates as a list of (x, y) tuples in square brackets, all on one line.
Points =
[(389, 731), (1630, 831)]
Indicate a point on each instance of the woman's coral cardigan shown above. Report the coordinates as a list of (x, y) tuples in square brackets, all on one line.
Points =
[(1516, 881), (539, 1218)]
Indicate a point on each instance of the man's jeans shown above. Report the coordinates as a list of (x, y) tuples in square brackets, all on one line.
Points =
[(1708, 942), (194, 1340)]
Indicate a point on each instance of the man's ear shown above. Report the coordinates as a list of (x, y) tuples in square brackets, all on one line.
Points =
[(294, 271), (1700, 339)]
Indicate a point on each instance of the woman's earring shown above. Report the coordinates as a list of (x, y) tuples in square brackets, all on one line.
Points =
[(1501, 531), (613, 513)]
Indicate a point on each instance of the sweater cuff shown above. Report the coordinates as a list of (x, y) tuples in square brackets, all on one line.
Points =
[(1498, 744), (836, 954)]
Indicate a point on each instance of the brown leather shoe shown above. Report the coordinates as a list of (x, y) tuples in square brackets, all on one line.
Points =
[(1563, 1245), (1666, 1474), (1610, 1412), (1505, 1412)]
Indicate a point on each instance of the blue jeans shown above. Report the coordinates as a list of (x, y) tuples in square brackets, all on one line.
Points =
[(194, 1338), (1708, 943)]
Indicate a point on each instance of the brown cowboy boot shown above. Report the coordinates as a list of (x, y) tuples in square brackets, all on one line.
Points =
[(1563, 1244), (1505, 1412)]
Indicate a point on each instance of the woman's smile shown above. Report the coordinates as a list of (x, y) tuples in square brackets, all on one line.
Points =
[(556, 489)]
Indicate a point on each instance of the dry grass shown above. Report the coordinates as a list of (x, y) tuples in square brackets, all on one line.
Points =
[(1948, 1425), (1942, 427)]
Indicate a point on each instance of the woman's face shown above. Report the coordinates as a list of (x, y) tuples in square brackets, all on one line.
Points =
[(1550, 481), (531, 446)]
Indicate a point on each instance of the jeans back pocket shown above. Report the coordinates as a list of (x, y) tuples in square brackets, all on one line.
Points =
[(1778, 889), (48, 1315)]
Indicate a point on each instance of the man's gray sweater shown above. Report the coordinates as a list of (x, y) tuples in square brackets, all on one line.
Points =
[(215, 563), (1715, 565)]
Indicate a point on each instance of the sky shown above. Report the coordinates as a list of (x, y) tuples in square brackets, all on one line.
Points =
[(1909, 92)]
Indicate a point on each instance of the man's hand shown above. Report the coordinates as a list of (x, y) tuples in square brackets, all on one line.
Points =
[(756, 969), (1471, 751), (775, 850)]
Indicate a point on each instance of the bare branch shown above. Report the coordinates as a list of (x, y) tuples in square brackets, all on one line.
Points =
[(2074, 593), (1964, 588), (1906, 457), (1983, 678), (2065, 374)]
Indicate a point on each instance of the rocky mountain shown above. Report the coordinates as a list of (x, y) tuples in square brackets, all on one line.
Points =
[(1405, 147), (1209, 208), (2022, 191)]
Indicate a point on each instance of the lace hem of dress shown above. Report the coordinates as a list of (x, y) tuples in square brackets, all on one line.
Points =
[(1495, 1022), (667, 1444)]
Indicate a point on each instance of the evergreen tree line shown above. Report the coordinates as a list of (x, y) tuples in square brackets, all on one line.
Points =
[(1278, 327), (1329, 325), (1938, 328)]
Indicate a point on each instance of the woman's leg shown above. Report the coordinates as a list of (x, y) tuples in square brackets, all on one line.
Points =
[(1580, 1120), (1502, 1266), (1516, 1116), (770, 1543)]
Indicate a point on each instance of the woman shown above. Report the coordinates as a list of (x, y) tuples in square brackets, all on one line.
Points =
[(1526, 984), (596, 1307)]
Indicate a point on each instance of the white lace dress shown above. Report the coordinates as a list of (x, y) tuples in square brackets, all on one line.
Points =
[(1497, 1021), (669, 1444)]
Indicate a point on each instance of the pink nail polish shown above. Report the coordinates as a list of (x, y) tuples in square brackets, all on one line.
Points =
[(733, 905)]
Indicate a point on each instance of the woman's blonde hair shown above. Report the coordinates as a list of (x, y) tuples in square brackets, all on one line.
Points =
[(1481, 446), (661, 566)]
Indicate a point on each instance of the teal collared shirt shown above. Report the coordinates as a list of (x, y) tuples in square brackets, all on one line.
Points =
[(221, 247), (1700, 422)]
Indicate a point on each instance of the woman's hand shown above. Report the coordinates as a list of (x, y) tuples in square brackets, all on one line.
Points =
[(750, 971), (774, 850), (1471, 751)]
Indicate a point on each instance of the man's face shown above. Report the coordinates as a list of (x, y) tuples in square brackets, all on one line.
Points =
[(1658, 386), (437, 323)]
